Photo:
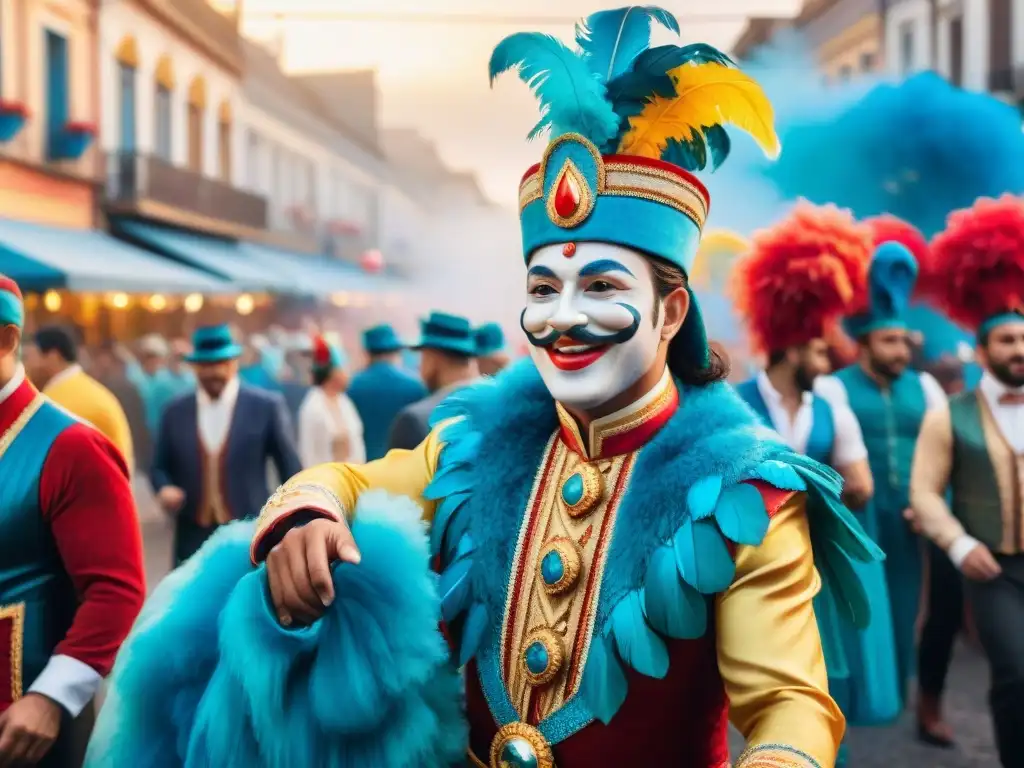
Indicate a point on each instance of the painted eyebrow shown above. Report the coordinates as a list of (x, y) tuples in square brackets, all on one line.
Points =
[(603, 266), (541, 271)]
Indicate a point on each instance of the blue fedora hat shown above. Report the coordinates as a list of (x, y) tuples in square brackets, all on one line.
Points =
[(381, 339), (213, 344), (448, 333), (490, 339)]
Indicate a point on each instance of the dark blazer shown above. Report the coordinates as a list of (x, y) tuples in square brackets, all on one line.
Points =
[(379, 393), (412, 425), (260, 430)]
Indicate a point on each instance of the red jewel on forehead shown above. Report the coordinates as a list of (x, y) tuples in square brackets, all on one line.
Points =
[(569, 250)]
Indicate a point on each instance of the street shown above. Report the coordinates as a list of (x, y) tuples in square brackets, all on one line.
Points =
[(891, 747)]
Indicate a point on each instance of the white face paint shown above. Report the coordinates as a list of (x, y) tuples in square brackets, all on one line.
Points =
[(588, 318)]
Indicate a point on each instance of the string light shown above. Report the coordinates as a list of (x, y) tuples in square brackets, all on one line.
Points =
[(119, 300), (157, 302), (52, 301), (193, 303), (244, 305), (340, 299)]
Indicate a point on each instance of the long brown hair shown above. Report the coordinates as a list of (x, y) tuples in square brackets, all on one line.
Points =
[(667, 278)]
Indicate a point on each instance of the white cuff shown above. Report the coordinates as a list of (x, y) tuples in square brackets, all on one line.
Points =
[(961, 547), (68, 682)]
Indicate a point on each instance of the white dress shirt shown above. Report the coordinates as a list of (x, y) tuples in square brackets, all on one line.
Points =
[(215, 415), (848, 442), (322, 423), (1009, 418)]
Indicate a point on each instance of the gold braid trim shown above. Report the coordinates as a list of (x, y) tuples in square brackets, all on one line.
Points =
[(775, 756), (16, 614), (293, 497)]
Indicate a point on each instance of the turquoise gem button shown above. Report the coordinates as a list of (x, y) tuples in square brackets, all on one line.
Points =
[(518, 753), (572, 489), (537, 658), (552, 568)]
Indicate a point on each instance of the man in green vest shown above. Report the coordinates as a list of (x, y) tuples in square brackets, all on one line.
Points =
[(889, 400), (976, 448)]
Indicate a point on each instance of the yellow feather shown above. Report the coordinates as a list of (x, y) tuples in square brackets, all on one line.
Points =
[(706, 95)]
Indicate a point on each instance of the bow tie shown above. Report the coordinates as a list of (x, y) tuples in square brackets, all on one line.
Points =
[(1011, 398)]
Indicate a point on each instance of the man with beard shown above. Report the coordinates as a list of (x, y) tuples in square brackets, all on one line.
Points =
[(627, 557), (792, 287), (890, 401), (210, 459), (975, 447)]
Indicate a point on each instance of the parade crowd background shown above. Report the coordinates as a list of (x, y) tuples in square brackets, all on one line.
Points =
[(156, 178)]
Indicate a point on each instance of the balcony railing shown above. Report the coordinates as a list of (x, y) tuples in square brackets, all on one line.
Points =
[(133, 178)]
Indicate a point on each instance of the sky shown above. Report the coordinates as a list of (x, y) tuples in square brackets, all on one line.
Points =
[(433, 76)]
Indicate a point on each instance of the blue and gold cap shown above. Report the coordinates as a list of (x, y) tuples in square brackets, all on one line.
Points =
[(12, 306), (629, 125)]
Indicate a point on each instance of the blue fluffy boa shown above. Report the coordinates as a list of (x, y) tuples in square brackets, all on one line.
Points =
[(687, 502), (209, 678)]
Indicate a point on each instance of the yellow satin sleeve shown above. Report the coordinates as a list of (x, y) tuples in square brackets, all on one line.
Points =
[(769, 650), (332, 490)]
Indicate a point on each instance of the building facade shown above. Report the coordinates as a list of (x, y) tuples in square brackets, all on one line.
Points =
[(978, 44), (171, 77), (48, 111)]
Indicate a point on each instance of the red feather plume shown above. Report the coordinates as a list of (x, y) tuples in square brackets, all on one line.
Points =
[(321, 352), (800, 276), (978, 261), (889, 229)]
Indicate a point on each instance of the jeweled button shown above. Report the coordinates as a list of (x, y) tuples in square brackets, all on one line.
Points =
[(518, 745), (542, 656), (582, 490), (572, 489), (518, 753), (560, 564)]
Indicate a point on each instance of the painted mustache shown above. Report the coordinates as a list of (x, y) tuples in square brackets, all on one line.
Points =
[(581, 334)]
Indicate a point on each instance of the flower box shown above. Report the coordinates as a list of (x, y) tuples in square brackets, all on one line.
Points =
[(13, 116), (72, 141)]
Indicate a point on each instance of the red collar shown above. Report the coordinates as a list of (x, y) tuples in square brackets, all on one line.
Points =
[(626, 430), (17, 402)]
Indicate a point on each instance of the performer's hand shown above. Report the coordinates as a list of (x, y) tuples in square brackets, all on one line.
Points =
[(911, 518), (27, 730), (979, 565), (299, 569), (171, 498)]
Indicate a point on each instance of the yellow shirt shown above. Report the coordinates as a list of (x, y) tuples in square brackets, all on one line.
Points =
[(769, 650), (82, 396)]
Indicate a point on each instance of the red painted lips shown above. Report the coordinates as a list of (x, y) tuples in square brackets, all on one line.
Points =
[(575, 361)]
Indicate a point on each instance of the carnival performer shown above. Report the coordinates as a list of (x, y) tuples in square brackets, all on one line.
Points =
[(329, 425), (447, 350), (211, 454), (976, 447), (792, 287), (383, 388), (491, 355), (889, 401), (627, 556), (71, 573)]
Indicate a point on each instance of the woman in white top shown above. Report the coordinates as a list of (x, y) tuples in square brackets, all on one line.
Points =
[(329, 425)]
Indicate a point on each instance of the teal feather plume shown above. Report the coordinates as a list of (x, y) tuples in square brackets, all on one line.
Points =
[(781, 475), (702, 496), (649, 76), (741, 515), (572, 99), (473, 631), (839, 576), (604, 685), (674, 608), (612, 40), (639, 646), (702, 556)]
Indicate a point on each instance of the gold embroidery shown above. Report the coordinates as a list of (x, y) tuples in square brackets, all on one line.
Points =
[(552, 660), (16, 613), (289, 498), (12, 432), (584, 203), (568, 555), (475, 761), (631, 421), (526, 743), (775, 756)]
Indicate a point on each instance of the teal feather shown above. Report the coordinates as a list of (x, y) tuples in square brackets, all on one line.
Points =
[(702, 557), (649, 75), (741, 515), (612, 40), (571, 98), (449, 479), (462, 451), (839, 576), (673, 607), (688, 155), (449, 408), (456, 430), (604, 685), (465, 548), (719, 144), (637, 643), (703, 495), (781, 475), (473, 632), (457, 528), (831, 517), (827, 480), (448, 507), (455, 588)]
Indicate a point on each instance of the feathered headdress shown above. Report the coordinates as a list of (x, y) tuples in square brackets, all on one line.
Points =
[(978, 264), (800, 276), (326, 356), (627, 124)]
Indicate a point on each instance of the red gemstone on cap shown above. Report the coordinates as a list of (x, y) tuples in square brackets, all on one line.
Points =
[(567, 196), (569, 250)]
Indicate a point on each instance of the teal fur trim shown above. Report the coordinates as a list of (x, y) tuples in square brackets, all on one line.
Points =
[(666, 559), (369, 684)]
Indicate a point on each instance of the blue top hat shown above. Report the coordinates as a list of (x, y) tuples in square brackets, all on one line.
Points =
[(448, 333), (891, 280), (213, 344), (381, 339), (490, 339)]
